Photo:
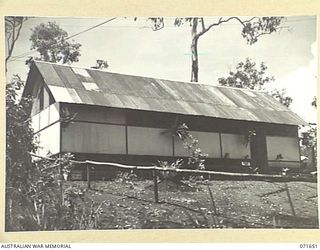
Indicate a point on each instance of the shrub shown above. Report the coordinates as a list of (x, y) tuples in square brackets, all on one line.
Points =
[(35, 199)]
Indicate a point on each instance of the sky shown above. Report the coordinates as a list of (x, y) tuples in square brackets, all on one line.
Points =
[(132, 47)]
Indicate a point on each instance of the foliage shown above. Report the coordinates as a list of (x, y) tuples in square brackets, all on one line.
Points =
[(196, 157), (249, 136), (127, 177), (35, 199), (19, 142), (280, 96), (310, 137), (309, 142), (47, 206), (101, 64), (257, 27), (247, 75), (13, 26), (45, 194), (81, 211), (314, 102), (157, 23), (66, 116), (174, 165), (52, 43), (309, 146), (19, 135), (252, 29)]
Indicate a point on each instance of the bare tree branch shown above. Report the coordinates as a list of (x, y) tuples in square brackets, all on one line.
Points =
[(268, 33), (8, 42), (14, 34), (225, 21), (202, 22), (18, 33), (9, 21), (252, 29)]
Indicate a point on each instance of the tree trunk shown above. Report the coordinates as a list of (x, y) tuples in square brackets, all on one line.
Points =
[(194, 51)]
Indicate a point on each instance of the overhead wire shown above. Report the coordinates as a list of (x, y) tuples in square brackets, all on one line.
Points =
[(93, 27), (14, 58), (137, 26)]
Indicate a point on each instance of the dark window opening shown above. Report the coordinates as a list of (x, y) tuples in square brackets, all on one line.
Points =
[(41, 101), (41, 98)]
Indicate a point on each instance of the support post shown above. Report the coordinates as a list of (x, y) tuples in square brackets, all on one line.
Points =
[(155, 184), (61, 179), (88, 176), (314, 165), (290, 201)]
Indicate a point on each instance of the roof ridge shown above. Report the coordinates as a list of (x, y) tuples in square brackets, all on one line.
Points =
[(161, 79), (264, 109)]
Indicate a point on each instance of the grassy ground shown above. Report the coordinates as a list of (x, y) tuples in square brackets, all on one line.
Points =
[(238, 204)]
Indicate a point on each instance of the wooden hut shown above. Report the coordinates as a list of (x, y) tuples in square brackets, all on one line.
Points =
[(105, 116)]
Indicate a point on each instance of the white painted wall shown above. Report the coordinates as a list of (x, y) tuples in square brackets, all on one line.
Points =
[(46, 117), (49, 140), (49, 136)]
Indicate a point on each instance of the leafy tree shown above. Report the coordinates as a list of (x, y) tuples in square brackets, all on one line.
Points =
[(13, 26), (19, 135), (309, 146), (281, 96), (19, 141), (309, 141), (52, 43), (35, 198), (196, 158), (101, 64), (252, 29), (247, 75), (314, 102)]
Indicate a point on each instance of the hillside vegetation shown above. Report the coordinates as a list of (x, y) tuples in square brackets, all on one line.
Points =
[(129, 204)]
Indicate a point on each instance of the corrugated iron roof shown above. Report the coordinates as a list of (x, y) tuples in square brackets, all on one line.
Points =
[(88, 86)]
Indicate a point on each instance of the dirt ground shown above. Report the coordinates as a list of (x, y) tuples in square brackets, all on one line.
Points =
[(235, 204)]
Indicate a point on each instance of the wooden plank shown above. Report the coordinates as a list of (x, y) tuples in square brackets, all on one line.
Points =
[(155, 185), (88, 176)]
